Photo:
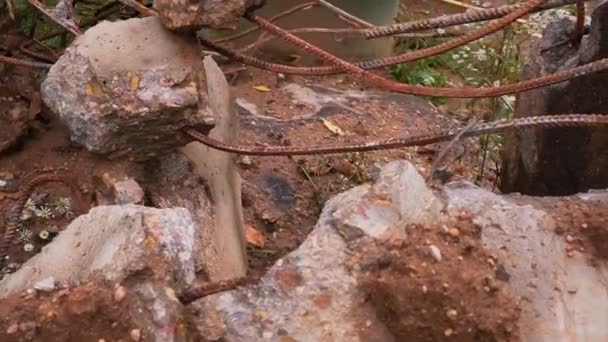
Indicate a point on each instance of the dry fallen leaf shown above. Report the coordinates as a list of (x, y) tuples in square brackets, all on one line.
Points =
[(332, 127), (35, 105), (254, 236), (134, 83), (262, 88)]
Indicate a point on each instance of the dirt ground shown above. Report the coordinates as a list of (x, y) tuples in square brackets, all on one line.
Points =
[(99, 317), (464, 297), (282, 198)]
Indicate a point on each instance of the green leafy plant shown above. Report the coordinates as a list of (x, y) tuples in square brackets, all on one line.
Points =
[(422, 72)]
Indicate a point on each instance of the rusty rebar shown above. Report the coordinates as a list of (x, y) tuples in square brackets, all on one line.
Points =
[(579, 30), (16, 61), (546, 121), (431, 91), (207, 289), (456, 19), (380, 62)]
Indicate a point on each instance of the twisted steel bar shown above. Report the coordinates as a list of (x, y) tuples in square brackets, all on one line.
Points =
[(431, 91), (208, 289), (579, 30), (381, 62), (15, 61), (547, 121), (456, 19)]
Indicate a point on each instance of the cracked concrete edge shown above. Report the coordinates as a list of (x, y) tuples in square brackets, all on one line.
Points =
[(219, 169)]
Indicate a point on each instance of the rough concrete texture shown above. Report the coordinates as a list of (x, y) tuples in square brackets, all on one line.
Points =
[(127, 87), (560, 294), (114, 242), (148, 251), (564, 161), (223, 178), (113, 189), (285, 302), (315, 294), (193, 15), (215, 205)]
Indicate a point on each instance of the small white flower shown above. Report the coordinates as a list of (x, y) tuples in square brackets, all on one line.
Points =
[(480, 54), (30, 205), (28, 247), (24, 234), (509, 100), (63, 206), (428, 80), (44, 212), (44, 234)]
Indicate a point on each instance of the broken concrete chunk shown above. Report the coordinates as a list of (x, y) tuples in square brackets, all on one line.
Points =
[(521, 233), (114, 242), (46, 284), (148, 251), (356, 279), (194, 15), (112, 190), (319, 292), (397, 198), (126, 88)]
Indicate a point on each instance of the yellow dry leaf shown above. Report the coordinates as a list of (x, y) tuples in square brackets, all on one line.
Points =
[(332, 127), (262, 88), (134, 82)]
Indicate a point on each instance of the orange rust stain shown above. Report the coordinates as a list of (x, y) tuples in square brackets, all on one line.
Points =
[(322, 301)]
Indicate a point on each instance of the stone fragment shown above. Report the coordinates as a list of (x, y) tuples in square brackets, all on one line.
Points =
[(194, 15), (45, 285), (319, 289), (149, 251), (519, 230), (435, 253), (126, 88), (114, 190)]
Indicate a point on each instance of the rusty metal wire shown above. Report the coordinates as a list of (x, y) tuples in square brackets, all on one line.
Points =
[(430, 91), (500, 126), (579, 29), (387, 61), (207, 289), (456, 19), (16, 61), (347, 17), (61, 14), (285, 13)]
